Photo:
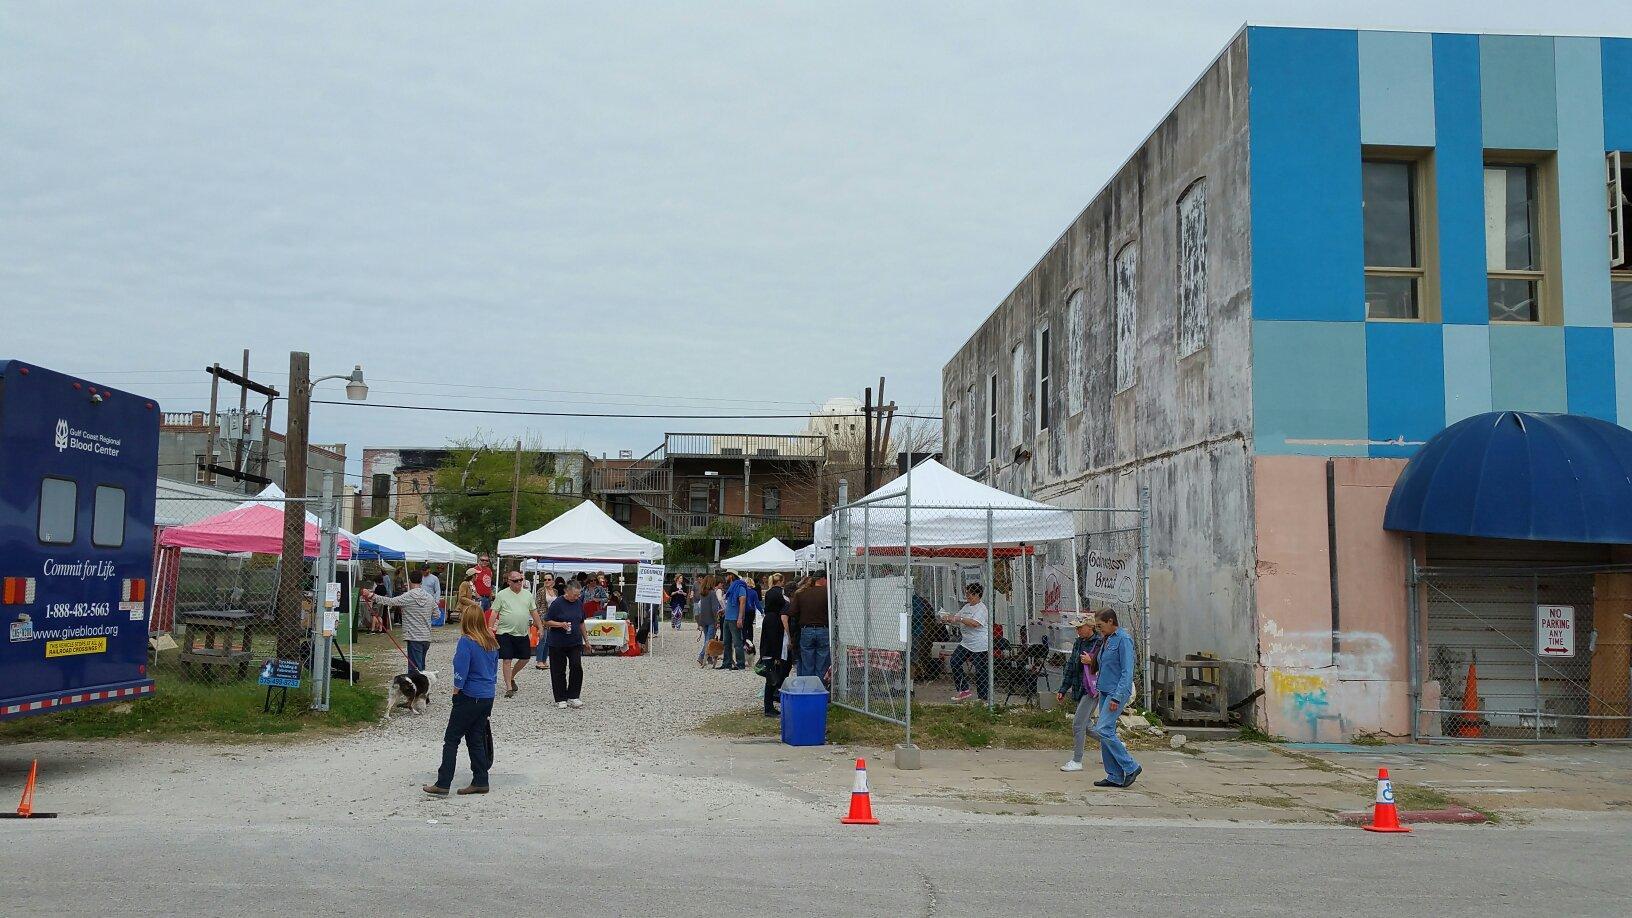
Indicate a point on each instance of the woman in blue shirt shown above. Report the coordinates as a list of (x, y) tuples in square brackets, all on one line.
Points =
[(475, 682)]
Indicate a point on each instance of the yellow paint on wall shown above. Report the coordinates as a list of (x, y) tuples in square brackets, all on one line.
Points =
[(1285, 683)]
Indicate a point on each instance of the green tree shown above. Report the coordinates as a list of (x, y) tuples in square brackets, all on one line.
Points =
[(473, 487)]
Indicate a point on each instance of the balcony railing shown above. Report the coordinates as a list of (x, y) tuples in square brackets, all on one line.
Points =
[(684, 523), (747, 446), (631, 481)]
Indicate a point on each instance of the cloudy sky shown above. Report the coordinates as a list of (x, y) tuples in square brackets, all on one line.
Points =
[(686, 207)]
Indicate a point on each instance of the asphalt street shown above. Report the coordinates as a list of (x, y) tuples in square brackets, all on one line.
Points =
[(545, 865)]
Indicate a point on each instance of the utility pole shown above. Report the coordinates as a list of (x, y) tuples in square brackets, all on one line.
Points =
[(515, 490), (867, 442), (243, 418), (294, 508), (209, 437)]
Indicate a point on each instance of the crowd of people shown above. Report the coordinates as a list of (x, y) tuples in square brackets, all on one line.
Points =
[(790, 618), (501, 631)]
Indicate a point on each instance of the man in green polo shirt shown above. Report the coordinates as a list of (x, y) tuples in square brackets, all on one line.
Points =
[(514, 610)]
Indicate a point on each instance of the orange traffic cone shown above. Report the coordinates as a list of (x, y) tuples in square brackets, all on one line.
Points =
[(861, 800), (1469, 723), (25, 807), (1384, 816)]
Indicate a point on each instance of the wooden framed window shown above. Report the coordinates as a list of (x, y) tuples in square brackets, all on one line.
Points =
[(1395, 277), (1514, 248), (1619, 168)]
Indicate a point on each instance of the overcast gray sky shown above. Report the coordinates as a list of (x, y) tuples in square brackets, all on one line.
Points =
[(713, 207)]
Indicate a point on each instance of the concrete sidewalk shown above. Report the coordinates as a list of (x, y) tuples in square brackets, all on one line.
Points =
[(1210, 781)]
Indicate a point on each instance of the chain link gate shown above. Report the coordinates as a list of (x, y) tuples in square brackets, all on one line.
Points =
[(1481, 675), (897, 585), (214, 617)]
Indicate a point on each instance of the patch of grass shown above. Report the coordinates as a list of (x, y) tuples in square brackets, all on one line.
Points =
[(1417, 797), (933, 727), (1367, 739), (1252, 734), (180, 708)]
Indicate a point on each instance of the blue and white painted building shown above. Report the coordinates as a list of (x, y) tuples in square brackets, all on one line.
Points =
[(1338, 244)]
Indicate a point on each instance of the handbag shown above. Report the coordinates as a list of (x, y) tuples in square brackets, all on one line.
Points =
[(532, 634)]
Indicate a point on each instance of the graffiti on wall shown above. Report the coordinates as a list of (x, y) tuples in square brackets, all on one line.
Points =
[(1316, 693)]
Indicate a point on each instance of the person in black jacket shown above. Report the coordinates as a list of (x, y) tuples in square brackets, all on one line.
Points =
[(773, 659)]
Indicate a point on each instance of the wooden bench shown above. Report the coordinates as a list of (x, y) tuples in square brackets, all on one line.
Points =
[(1189, 690)]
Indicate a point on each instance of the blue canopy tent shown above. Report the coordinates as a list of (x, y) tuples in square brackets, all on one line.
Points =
[(373, 551), (1519, 475)]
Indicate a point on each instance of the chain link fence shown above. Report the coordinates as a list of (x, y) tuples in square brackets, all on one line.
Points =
[(1524, 655), (215, 617), (937, 603)]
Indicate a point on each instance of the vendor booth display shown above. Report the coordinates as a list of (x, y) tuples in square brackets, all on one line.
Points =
[(586, 539), (900, 560)]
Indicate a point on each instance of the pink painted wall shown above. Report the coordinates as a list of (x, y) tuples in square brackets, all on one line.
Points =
[(1317, 689)]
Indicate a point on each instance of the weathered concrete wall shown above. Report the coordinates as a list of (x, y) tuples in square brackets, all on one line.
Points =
[(1325, 677), (1182, 427)]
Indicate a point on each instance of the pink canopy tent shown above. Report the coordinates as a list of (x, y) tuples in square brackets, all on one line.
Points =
[(256, 528)]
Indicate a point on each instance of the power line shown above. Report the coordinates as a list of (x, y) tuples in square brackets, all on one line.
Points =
[(601, 414)]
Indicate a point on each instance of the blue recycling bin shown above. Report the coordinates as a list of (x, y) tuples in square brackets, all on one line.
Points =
[(804, 711)]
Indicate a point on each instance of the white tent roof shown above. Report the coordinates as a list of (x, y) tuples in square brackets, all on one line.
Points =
[(949, 510), (586, 533), (428, 536), (396, 538), (772, 556), (568, 568), (273, 496)]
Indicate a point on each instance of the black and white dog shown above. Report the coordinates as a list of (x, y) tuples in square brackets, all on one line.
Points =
[(411, 690)]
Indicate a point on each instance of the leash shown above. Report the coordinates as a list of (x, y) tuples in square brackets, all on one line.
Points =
[(398, 646)]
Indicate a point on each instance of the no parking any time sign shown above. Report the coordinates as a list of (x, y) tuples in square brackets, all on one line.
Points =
[(1555, 631)]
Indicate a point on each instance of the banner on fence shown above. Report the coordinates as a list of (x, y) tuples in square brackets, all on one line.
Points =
[(1109, 575)]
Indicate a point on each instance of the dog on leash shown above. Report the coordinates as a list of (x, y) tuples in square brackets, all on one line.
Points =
[(411, 690)]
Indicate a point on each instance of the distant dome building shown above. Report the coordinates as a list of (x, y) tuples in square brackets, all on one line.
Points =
[(838, 417)]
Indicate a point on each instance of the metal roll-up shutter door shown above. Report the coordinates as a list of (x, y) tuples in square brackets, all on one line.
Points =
[(1487, 615)]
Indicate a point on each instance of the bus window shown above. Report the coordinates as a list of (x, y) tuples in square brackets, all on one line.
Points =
[(108, 517), (58, 496)]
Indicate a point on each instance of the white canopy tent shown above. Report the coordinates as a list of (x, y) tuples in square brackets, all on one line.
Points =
[(948, 510), (396, 538), (772, 556), (430, 538), (584, 533)]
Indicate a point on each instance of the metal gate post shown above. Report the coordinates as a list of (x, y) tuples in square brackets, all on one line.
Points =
[(991, 594), (906, 540), (866, 608), (1535, 659), (1413, 626)]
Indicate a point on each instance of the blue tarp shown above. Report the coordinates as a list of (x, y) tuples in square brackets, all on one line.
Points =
[(1518, 475)]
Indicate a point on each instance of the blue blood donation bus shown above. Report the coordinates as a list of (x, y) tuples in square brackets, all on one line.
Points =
[(78, 472)]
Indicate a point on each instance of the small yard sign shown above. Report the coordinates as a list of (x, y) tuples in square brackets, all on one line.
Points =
[(281, 673)]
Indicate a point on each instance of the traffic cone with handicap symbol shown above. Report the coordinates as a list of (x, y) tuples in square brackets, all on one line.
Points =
[(1384, 816)]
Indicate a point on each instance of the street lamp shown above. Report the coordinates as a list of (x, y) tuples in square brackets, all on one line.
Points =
[(294, 509)]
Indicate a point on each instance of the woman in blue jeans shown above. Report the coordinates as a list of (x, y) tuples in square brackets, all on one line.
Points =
[(475, 682)]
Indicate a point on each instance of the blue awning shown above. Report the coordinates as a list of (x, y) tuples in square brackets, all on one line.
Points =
[(1517, 475)]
